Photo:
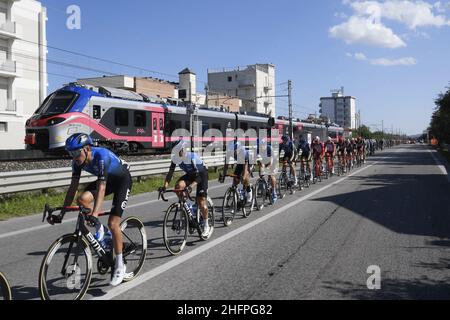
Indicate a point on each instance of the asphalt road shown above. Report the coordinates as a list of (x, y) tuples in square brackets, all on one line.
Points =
[(394, 213)]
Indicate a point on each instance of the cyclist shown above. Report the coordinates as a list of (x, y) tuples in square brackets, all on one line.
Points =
[(304, 149), (265, 150), (242, 170), (196, 174), (318, 150), (360, 149), (350, 152), (330, 153), (113, 178), (289, 153), (341, 152)]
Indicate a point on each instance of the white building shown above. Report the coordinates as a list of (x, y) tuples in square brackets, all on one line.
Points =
[(23, 67), (339, 109), (254, 84)]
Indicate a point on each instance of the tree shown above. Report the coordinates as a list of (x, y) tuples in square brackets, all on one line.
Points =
[(440, 121), (364, 132)]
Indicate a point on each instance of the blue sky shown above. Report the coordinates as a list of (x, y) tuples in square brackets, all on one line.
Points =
[(393, 56)]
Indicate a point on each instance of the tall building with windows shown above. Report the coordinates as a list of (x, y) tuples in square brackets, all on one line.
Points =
[(23, 69), (254, 85), (339, 109)]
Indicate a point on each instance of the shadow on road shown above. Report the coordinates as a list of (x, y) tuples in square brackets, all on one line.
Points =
[(421, 288), (404, 203)]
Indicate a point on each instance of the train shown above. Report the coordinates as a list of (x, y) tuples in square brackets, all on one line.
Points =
[(128, 122)]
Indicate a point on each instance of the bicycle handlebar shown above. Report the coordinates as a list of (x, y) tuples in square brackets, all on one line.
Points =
[(185, 192), (48, 211)]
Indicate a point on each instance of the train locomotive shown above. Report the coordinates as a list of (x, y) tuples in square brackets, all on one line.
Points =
[(129, 122)]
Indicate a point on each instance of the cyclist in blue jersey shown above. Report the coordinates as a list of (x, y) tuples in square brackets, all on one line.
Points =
[(304, 149), (289, 153), (242, 169), (196, 173), (265, 162), (113, 177)]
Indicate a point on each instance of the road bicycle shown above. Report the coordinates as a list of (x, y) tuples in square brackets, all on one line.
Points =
[(181, 218), (285, 183), (5, 288), (234, 200), (66, 269), (263, 193)]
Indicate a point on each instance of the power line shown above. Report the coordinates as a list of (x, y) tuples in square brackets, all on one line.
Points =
[(104, 60)]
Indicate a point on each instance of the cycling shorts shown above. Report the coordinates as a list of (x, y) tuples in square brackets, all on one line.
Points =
[(202, 182), (120, 187)]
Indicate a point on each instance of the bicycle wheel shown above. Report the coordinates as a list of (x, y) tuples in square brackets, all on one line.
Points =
[(229, 207), (5, 289), (261, 193), (282, 186), (134, 246), (248, 207), (66, 270), (175, 230), (211, 219)]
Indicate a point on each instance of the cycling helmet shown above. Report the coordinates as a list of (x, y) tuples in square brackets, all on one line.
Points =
[(285, 138), (329, 139), (78, 141), (317, 139)]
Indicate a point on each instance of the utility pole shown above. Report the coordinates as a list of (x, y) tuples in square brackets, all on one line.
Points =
[(291, 129)]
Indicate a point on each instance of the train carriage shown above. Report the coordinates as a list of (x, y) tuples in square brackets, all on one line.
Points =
[(125, 121)]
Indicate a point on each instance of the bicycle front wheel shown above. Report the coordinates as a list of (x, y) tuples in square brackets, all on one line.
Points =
[(175, 230), (282, 186), (261, 193), (134, 246), (66, 270), (229, 207), (5, 289)]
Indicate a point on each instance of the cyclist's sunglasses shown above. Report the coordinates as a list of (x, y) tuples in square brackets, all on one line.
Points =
[(75, 153)]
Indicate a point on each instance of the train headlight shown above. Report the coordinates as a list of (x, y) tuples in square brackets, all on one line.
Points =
[(55, 121)]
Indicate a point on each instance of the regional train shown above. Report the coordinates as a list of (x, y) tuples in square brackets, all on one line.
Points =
[(129, 122)]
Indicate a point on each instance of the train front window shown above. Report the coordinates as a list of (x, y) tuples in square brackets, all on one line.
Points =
[(58, 103)]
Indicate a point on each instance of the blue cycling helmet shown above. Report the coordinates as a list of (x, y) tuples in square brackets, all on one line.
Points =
[(78, 141)]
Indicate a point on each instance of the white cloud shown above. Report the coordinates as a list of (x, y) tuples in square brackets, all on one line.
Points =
[(366, 31), (412, 14), (366, 25), (385, 62)]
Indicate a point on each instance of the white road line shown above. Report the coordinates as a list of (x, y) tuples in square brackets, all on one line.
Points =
[(46, 225), (178, 260), (439, 164)]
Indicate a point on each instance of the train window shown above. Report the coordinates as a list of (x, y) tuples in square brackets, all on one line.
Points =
[(244, 126), (155, 124), (60, 102), (121, 117), (96, 112), (139, 119), (161, 124), (216, 126)]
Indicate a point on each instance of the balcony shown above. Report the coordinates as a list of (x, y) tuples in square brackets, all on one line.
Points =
[(8, 68), (8, 30)]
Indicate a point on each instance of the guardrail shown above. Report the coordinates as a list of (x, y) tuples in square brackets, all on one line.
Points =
[(12, 182)]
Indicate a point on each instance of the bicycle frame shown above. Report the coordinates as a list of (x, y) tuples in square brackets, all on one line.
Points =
[(183, 195), (82, 231)]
